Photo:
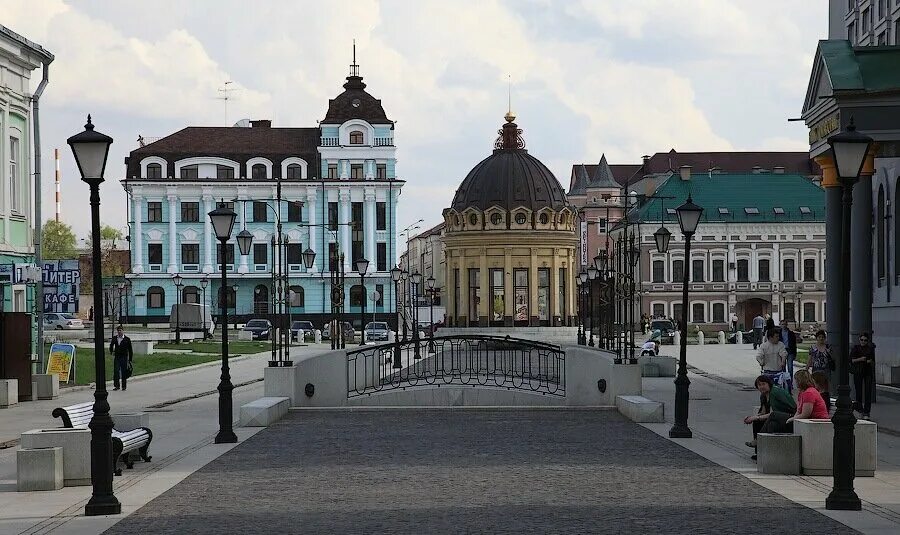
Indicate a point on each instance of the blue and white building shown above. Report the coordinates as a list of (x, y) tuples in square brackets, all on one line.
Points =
[(339, 172)]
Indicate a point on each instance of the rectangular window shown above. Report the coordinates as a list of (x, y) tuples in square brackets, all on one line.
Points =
[(191, 172), (190, 212), (229, 253), (332, 216), (743, 270), (15, 181), (333, 257), (520, 283), (789, 311), (659, 310), (356, 171), (154, 212), (154, 253), (601, 226), (474, 295), (718, 313), (697, 274), (562, 293), (258, 172), (678, 271), (698, 313), (381, 171), (260, 212), (294, 171), (295, 209), (498, 297), (659, 271), (154, 171), (851, 33), (260, 253), (718, 274), (380, 289), (543, 295), (880, 9), (809, 312), (224, 172), (332, 171), (294, 254), (882, 38), (865, 20), (788, 270), (809, 269), (381, 255), (356, 217), (380, 216), (190, 253), (676, 314), (764, 271)]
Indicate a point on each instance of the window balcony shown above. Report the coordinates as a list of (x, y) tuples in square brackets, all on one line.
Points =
[(329, 142), (384, 142)]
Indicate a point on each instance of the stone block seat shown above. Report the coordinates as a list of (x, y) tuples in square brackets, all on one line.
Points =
[(264, 411), (39, 469), (640, 409), (778, 453), (124, 442), (817, 446)]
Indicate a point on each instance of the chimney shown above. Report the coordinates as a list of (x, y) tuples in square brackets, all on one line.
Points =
[(646, 159), (685, 172), (262, 123), (757, 169), (778, 169)]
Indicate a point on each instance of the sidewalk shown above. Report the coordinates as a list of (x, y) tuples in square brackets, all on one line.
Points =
[(182, 443), (722, 394)]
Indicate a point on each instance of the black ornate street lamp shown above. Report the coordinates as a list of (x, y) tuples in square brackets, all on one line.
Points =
[(582, 333), (429, 285), (396, 274), (688, 218), (592, 276), (362, 265), (91, 150), (849, 149), (416, 279), (404, 277), (178, 281), (204, 282), (223, 223)]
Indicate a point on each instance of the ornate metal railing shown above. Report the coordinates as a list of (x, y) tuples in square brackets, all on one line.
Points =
[(477, 361)]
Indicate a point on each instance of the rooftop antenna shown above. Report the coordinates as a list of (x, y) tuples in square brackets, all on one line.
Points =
[(225, 96), (354, 68)]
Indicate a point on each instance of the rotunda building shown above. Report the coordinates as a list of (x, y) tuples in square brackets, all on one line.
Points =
[(510, 242)]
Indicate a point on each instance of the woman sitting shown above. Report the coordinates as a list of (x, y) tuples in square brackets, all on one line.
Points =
[(809, 402), (775, 407)]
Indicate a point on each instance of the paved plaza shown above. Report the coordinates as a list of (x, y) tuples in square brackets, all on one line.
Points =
[(466, 471)]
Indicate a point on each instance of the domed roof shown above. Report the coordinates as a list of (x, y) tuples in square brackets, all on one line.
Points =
[(355, 102), (510, 178)]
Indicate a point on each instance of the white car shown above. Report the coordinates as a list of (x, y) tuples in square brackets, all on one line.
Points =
[(61, 321)]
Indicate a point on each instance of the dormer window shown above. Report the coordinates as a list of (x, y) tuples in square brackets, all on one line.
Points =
[(751, 210), (805, 210), (258, 171), (357, 137), (154, 170), (778, 210), (520, 219), (224, 172), (190, 172), (496, 219), (294, 171)]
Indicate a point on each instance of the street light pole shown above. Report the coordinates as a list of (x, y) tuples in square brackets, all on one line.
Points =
[(850, 149), (416, 278), (429, 282), (91, 150), (362, 265), (592, 276), (396, 273), (688, 218), (178, 283), (203, 283)]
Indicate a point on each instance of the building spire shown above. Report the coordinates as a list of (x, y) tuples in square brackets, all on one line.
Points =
[(354, 68), (510, 116)]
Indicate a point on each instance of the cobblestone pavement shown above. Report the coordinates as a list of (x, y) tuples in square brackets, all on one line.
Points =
[(467, 471)]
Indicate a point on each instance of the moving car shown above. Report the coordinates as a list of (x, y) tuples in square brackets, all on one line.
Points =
[(666, 330), (377, 331), (348, 331), (260, 328), (306, 327), (61, 321)]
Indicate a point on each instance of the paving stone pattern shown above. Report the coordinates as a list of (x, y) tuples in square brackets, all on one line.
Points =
[(467, 471)]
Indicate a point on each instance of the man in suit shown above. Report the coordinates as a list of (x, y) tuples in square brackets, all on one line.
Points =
[(120, 347)]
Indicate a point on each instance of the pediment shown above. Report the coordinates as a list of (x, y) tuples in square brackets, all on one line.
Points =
[(190, 234), (154, 234)]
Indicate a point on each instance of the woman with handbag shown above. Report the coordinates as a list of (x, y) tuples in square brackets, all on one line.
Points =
[(820, 360)]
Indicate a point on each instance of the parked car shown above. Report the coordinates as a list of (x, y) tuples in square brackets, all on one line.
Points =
[(377, 331), (260, 328), (61, 321), (666, 330), (309, 332), (348, 331)]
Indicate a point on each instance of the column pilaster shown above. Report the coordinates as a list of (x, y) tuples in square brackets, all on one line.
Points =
[(344, 212), (137, 240), (173, 234), (207, 234), (369, 216), (241, 225)]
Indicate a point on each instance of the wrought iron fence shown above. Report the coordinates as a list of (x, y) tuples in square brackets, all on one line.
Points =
[(477, 361)]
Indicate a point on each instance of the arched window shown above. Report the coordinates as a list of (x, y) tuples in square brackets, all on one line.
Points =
[(261, 299), (156, 297), (294, 171), (879, 234), (258, 171), (230, 298), (357, 137), (357, 295), (190, 294), (154, 170), (296, 296)]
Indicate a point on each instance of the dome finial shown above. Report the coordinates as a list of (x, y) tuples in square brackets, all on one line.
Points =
[(510, 116)]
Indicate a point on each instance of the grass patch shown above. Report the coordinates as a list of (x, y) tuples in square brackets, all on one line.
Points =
[(143, 364), (235, 347)]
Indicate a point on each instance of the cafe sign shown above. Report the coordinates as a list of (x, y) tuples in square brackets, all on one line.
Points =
[(825, 128)]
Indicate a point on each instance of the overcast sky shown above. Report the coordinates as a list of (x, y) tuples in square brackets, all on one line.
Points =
[(588, 77)]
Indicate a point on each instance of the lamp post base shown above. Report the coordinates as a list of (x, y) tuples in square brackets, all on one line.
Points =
[(103, 505), (680, 431), (226, 437), (843, 501)]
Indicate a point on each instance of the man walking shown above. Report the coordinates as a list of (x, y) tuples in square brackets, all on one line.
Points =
[(120, 347), (759, 324), (789, 339)]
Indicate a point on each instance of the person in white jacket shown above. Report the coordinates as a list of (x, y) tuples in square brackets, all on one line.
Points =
[(772, 356)]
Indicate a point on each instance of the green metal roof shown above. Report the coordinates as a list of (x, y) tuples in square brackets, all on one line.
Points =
[(866, 68), (733, 197)]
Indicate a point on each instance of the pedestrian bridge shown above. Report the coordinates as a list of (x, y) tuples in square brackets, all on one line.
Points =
[(462, 370)]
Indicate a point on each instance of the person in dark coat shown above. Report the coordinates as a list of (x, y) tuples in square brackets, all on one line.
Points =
[(120, 347), (862, 366)]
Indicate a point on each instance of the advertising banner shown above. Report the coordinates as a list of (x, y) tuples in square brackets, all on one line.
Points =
[(61, 361), (62, 279), (583, 239)]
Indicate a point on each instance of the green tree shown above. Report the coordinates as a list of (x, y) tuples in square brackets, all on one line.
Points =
[(110, 233), (58, 241)]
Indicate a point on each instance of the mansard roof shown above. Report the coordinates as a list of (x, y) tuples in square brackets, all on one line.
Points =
[(355, 103)]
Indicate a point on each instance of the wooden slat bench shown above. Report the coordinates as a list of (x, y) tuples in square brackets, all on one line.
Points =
[(123, 442)]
